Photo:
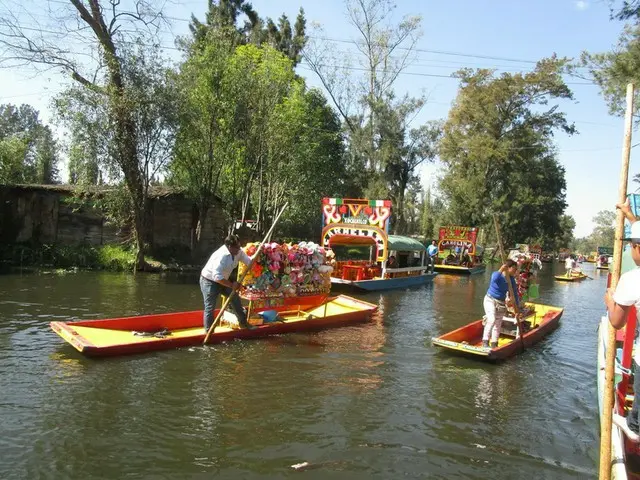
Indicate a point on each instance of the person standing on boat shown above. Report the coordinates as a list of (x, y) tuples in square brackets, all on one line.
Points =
[(569, 265), (215, 280), (432, 253), (626, 295), (495, 304)]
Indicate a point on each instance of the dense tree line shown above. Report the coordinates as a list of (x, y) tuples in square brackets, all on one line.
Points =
[(233, 119)]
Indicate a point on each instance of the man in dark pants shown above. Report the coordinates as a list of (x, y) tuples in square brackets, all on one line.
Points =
[(214, 280)]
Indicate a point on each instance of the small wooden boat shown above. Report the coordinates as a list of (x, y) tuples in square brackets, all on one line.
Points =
[(539, 321), (575, 277), (119, 336), (479, 268)]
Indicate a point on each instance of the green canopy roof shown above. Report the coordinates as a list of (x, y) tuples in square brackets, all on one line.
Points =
[(405, 244)]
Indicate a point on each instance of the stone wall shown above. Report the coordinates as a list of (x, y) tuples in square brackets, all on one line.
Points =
[(48, 215)]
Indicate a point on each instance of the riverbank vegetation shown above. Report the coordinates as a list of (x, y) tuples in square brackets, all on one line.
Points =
[(105, 257), (232, 118)]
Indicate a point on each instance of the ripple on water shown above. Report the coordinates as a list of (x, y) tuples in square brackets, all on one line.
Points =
[(370, 401)]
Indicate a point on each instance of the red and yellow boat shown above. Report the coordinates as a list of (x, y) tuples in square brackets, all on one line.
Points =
[(575, 277), (467, 340), (120, 336)]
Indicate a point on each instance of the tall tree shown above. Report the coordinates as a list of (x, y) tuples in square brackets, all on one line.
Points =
[(241, 25), (498, 150), (104, 25), (380, 143)]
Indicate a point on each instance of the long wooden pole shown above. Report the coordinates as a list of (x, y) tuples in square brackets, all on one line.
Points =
[(607, 411), (512, 294), (253, 259)]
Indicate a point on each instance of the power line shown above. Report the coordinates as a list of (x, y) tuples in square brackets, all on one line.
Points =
[(354, 42)]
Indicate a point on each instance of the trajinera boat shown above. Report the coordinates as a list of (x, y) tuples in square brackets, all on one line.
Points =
[(625, 455), (119, 336), (458, 251), (575, 277), (355, 231), (537, 322)]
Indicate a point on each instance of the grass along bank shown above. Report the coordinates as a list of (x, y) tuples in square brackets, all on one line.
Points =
[(104, 257)]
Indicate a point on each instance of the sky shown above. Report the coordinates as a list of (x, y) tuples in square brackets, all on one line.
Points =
[(507, 35)]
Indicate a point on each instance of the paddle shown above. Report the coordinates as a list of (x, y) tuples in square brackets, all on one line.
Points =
[(509, 286), (610, 354), (233, 290)]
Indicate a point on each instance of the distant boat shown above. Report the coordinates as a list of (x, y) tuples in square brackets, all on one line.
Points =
[(361, 225), (458, 251), (575, 277)]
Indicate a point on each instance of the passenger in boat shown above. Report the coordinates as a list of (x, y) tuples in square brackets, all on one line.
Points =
[(618, 303), (451, 259), (432, 253), (215, 280), (466, 259), (392, 262), (495, 303)]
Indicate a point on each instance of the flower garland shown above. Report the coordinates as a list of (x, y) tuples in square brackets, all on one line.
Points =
[(287, 270)]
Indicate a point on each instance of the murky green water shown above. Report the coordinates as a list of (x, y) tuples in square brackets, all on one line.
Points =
[(374, 401)]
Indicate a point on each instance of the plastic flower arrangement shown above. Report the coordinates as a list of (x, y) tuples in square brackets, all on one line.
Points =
[(287, 270)]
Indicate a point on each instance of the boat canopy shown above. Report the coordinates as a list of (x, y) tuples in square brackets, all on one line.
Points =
[(404, 244)]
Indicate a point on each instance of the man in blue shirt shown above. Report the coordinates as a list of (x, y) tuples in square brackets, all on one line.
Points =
[(432, 253), (495, 302)]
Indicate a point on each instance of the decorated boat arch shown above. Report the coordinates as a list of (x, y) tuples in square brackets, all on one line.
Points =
[(458, 251), (390, 261)]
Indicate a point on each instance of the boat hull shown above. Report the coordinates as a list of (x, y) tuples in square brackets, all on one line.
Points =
[(460, 270), (112, 337), (467, 340), (573, 278), (618, 469), (385, 283)]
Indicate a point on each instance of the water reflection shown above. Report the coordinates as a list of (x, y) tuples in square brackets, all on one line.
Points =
[(374, 400)]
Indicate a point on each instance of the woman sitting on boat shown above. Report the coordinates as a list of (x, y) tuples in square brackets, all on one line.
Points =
[(495, 302)]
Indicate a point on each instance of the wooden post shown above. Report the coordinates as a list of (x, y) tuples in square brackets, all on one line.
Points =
[(610, 354)]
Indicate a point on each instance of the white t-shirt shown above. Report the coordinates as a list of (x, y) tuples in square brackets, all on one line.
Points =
[(568, 263), (221, 264), (628, 293)]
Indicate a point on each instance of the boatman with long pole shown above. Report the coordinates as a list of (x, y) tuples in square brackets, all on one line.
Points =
[(215, 279), (619, 302)]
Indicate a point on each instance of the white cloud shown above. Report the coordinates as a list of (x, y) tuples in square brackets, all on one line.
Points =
[(581, 4)]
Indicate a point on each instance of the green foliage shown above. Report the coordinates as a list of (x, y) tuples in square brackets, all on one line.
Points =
[(626, 10), (613, 70), (252, 134), (28, 152), (106, 257), (498, 150), (223, 17)]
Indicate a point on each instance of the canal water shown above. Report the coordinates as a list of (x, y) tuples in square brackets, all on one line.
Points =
[(373, 401)]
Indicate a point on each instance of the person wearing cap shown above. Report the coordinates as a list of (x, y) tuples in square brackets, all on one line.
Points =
[(626, 295), (215, 280)]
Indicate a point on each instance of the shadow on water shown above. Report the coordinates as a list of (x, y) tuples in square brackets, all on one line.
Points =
[(374, 400)]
